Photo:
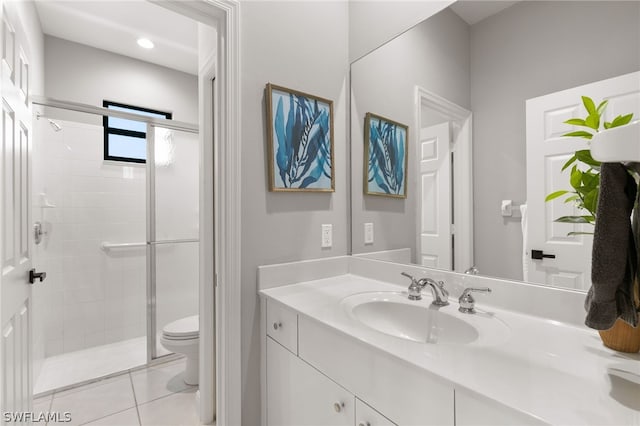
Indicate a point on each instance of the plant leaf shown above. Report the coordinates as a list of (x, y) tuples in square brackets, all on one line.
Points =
[(607, 125), (589, 105), (601, 107), (555, 195), (575, 122), (591, 201), (570, 234), (569, 162), (572, 198), (589, 180), (575, 219), (576, 178), (593, 120), (584, 155), (621, 120), (579, 134)]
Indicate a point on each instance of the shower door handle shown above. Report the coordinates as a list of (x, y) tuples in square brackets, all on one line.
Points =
[(33, 276)]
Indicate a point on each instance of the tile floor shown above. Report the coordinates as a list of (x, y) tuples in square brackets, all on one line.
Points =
[(155, 396)]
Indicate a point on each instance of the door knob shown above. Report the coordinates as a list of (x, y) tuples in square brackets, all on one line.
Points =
[(539, 254), (33, 276)]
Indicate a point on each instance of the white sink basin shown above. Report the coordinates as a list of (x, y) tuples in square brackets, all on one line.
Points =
[(392, 313)]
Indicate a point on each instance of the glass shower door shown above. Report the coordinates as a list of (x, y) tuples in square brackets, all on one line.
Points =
[(172, 232)]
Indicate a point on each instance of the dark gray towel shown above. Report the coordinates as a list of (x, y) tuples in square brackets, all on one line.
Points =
[(614, 256)]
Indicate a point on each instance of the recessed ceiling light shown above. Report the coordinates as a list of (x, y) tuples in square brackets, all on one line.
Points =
[(146, 43)]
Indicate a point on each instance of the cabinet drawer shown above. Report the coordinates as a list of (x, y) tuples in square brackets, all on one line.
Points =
[(282, 325), (367, 416)]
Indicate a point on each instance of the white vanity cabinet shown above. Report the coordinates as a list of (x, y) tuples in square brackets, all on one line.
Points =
[(319, 349), (297, 394), (322, 377)]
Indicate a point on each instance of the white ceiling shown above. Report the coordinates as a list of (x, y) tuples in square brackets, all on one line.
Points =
[(115, 26), (474, 11)]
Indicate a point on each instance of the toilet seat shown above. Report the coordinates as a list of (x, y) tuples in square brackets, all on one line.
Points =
[(182, 329)]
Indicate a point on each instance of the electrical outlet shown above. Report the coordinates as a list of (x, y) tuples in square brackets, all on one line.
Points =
[(368, 233), (327, 235)]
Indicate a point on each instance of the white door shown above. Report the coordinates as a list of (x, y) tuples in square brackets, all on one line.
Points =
[(547, 152), (15, 251), (434, 189)]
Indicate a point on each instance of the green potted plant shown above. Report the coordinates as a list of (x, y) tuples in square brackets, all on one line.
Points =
[(585, 183), (585, 171)]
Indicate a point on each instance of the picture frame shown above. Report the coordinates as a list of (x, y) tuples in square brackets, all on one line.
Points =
[(386, 152), (300, 141)]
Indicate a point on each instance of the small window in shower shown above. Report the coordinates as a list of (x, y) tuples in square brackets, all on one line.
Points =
[(126, 140)]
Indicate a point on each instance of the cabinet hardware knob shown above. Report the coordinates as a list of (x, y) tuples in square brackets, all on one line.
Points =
[(364, 424), (338, 406), (277, 325)]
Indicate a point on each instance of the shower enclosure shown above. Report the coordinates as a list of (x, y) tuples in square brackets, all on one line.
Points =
[(119, 242)]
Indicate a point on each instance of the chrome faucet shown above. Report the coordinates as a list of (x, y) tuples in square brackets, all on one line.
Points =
[(467, 302), (440, 294)]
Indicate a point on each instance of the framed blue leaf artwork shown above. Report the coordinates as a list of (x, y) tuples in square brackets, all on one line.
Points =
[(385, 157), (300, 139)]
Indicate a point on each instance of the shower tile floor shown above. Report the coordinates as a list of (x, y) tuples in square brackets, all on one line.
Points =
[(80, 366), (153, 396)]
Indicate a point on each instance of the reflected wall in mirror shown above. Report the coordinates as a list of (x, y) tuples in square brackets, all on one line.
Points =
[(490, 68)]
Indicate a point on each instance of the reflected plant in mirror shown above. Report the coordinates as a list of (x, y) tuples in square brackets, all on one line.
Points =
[(585, 173)]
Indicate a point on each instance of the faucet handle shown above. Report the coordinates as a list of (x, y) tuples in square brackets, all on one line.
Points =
[(466, 300), (414, 288), (408, 276)]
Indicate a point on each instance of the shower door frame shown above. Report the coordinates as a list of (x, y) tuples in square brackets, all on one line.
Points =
[(150, 243)]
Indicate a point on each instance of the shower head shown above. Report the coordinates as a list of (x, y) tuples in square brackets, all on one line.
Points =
[(55, 126)]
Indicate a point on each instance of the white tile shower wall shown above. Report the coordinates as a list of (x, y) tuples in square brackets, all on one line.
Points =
[(92, 297)]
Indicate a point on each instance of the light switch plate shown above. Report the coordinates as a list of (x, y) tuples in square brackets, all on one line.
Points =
[(368, 233), (327, 235)]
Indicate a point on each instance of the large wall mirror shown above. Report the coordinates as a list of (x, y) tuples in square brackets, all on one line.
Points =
[(475, 84)]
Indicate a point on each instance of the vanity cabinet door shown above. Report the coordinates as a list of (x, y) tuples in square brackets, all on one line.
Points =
[(367, 416), (476, 410), (282, 325), (298, 394)]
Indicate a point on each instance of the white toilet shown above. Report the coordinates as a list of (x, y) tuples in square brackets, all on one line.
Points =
[(183, 337)]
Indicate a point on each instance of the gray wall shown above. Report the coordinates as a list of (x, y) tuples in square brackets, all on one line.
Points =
[(528, 50), (433, 55), (303, 46), (372, 23), (80, 73)]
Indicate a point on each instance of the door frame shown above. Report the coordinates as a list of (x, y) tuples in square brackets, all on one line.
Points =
[(220, 197), (462, 170), (220, 273)]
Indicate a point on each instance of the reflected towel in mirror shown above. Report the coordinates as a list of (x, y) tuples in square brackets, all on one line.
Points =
[(614, 256)]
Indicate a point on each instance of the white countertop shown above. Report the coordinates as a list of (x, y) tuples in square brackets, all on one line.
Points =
[(559, 373)]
